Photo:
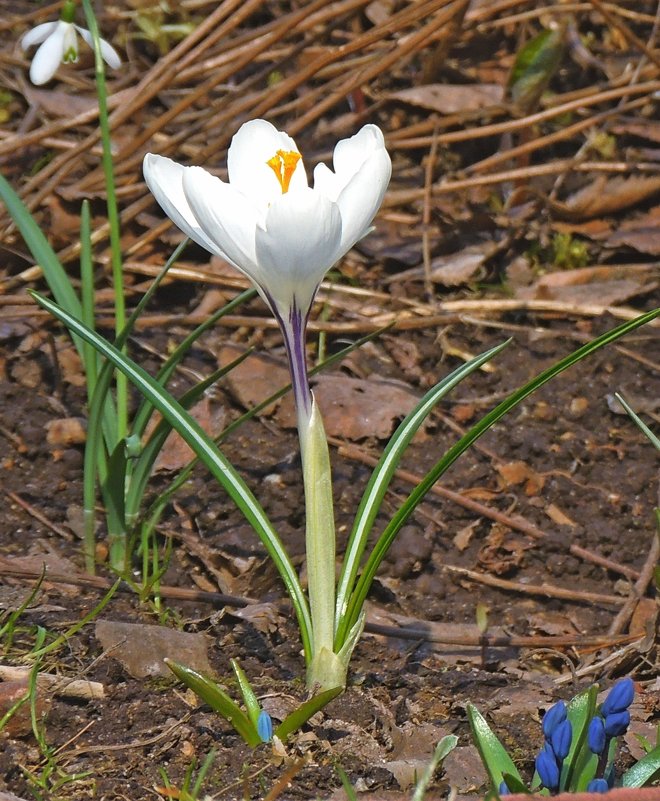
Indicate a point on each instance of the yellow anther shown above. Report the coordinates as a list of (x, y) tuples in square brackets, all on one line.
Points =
[(283, 164)]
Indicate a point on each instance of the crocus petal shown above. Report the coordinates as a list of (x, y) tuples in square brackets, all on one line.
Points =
[(164, 178), (362, 172), (226, 216), (49, 56), (362, 196), (300, 243), (252, 146), (108, 52), (38, 34)]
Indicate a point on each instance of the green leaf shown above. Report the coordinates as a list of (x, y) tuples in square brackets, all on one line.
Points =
[(643, 772), (639, 422), (381, 478), (304, 712), (442, 749), (537, 61), (515, 785), (580, 763), (217, 699), (251, 702), (493, 754), (43, 254), (208, 453)]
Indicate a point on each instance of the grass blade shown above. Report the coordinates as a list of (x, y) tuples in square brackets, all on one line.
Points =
[(494, 756), (304, 712), (217, 699)]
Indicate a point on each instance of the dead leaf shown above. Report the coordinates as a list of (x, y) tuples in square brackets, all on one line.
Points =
[(20, 723), (553, 624), (464, 535), (606, 196), (264, 617), (644, 617), (501, 552), (66, 431), (557, 516), (255, 379), (141, 649), (514, 473), (611, 284), (58, 103), (70, 365), (641, 233), (357, 408), (451, 98), (453, 269), (175, 453), (644, 239), (644, 129), (464, 770), (379, 11)]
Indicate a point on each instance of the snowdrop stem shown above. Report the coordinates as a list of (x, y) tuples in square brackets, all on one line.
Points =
[(68, 11), (113, 211)]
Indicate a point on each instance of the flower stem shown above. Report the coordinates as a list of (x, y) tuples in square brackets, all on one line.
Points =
[(325, 670)]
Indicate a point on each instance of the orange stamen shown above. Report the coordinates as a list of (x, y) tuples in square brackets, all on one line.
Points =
[(283, 164)]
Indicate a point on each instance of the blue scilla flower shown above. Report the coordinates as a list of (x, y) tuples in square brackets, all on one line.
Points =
[(265, 727), (619, 697), (597, 786), (561, 739), (552, 718), (503, 789), (617, 723), (547, 768), (596, 735)]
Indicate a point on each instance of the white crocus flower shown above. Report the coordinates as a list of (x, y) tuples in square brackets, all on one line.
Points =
[(59, 44), (267, 222), (285, 235)]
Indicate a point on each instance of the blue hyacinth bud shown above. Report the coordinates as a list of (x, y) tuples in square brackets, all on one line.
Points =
[(596, 735), (597, 786), (617, 723), (503, 789), (552, 718), (265, 727), (619, 697), (546, 767), (561, 740)]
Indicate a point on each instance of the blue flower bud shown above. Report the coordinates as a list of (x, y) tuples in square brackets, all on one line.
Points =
[(265, 727), (503, 789), (597, 786), (561, 739), (552, 718), (596, 735), (619, 697), (546, 767), (617, 723)]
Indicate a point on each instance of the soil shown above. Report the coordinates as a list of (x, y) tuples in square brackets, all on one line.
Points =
[(566, 486)]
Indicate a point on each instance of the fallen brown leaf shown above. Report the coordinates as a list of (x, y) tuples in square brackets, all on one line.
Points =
[(451, 98), (606, 196), (141, 649)]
